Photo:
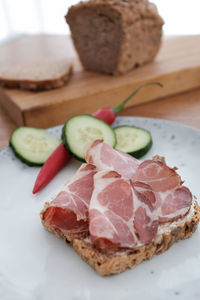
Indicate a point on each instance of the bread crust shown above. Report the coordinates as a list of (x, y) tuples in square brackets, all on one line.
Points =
[(37, 85), (117, 262)]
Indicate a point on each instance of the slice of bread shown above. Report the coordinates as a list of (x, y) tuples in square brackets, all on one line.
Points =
[(117, 262), (113, 263), (37, 75)]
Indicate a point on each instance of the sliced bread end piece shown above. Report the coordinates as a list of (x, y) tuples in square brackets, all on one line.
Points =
[(114, 263), (37, 75)]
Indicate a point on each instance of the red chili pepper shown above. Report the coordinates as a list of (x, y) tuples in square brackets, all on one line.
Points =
[(108, 115), (56, 161), (105, 114), (59, 158)]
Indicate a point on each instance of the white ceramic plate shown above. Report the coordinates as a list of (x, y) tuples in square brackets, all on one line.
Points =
[(35, 265)]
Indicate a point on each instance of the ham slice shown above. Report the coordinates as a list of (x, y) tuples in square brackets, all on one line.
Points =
[(105, 157), (121, 214), (173, 200), (68, 211)]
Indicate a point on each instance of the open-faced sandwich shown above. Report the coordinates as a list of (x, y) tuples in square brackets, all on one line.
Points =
[(117, 211)]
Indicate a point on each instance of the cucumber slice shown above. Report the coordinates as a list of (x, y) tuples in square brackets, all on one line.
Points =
[(133, 140), (82, 129), (32, 145)]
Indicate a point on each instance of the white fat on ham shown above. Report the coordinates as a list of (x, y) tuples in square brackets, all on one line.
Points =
[(121, 214), (173, 200), (105, 157), (68, 211)]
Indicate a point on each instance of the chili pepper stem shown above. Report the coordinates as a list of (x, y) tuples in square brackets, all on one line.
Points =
[(119, 107)]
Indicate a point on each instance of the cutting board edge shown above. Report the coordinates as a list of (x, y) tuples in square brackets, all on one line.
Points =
[(12, 109), (41, 116)]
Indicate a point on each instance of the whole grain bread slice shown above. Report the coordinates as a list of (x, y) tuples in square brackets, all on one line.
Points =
[(37, 75), (114, 263), (117, 262)]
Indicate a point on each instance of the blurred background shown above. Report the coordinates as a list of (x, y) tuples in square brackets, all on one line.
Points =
[(47, 16)]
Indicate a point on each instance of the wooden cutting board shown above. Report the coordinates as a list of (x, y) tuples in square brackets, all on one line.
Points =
[(177, 66)]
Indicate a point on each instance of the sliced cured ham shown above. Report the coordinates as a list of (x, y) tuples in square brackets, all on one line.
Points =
[(121, 214), (173, 200), (105, 157), (68, 211)]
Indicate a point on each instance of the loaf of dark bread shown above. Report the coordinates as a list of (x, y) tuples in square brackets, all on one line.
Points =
[(114, 36)]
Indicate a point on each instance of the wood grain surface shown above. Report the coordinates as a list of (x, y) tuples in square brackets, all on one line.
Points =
[(184, 108), (177, 66)]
